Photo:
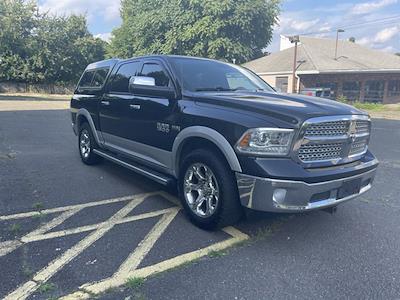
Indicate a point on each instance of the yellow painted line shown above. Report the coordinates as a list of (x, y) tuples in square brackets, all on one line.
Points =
[(71, 207), (144, 247), (5, 249), (86, 228), (120, 278), (9, 246), (46, 273), (129, 267)]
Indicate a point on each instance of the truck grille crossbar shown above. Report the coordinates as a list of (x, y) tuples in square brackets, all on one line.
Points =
[(333, 140)]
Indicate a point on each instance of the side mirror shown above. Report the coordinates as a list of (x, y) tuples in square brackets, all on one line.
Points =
[(142, 80), (146, 86)]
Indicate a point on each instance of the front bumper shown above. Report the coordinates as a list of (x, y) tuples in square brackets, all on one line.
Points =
[(274, 195)]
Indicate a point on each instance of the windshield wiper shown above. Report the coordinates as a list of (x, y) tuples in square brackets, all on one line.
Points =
[(215, 89)]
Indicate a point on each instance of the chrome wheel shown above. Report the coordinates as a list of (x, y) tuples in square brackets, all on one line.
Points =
[(84, 143), (201, 190)]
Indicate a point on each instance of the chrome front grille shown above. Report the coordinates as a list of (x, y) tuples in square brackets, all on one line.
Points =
[(363, 126), (333, 140), (328, 128), (317, 152)]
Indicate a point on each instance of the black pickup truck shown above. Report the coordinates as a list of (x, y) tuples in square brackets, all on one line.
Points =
[(223, 135)]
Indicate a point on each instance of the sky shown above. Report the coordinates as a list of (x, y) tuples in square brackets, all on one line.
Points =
[(375, 23)]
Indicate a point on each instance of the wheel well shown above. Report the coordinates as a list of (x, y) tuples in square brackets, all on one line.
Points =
[(195, 143), (81, 119)]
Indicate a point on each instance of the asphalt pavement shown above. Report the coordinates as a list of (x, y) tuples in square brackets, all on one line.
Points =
[(70, 229)]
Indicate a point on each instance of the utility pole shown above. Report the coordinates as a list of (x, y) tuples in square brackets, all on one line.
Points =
[(294, 39), (337, 41)]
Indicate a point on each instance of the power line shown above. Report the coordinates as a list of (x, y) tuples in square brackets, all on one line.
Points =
[(383, 21)]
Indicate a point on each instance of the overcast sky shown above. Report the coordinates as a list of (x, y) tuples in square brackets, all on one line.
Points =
[(317, 18)]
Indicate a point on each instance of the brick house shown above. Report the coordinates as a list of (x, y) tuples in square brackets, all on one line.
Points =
[(358, 73)]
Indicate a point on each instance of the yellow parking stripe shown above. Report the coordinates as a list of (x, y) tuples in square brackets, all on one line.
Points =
[(70, 207), (46, 273), (129, 267), (120, 278)]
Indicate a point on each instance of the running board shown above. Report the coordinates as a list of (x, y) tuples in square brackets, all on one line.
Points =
[(154, 175)]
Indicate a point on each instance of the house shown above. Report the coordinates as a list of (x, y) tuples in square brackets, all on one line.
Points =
[(357, 73)]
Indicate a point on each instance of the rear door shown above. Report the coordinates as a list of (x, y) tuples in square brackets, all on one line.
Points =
[(89, 92), (116, 113)]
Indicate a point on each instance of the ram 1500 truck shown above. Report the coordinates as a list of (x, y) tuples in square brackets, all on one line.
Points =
[(223, 136)]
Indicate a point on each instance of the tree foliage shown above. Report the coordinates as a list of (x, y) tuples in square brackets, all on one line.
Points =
[(227, 29), (40, 48)]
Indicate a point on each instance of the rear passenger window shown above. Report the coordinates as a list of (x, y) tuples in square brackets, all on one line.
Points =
[(100, 77), (120, 82), (156, 71), (86, 79)]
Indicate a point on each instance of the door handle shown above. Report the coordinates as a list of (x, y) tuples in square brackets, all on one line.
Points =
[(135, 106), (105, 103)]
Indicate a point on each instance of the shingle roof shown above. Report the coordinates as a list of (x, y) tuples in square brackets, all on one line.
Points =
[(317, 55)]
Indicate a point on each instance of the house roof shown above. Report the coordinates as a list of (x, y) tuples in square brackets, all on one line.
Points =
[(316, 55)]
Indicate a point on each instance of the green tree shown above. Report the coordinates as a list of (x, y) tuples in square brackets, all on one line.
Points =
[(227, 29), (41, 48)]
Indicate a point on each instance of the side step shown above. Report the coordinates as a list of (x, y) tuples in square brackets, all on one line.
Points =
[(154, 175)]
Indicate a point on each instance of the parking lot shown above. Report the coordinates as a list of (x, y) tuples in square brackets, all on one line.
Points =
[(73, 231)]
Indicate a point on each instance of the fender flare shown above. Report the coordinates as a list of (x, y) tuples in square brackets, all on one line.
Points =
[(86, 114), (209, 134)]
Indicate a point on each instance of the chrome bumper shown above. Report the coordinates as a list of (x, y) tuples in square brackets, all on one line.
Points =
[(273, 195)]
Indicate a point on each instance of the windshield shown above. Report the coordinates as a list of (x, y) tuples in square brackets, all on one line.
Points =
[(198, 75)]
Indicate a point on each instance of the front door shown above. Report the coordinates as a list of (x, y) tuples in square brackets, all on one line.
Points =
[(139, 126), (157, 118)]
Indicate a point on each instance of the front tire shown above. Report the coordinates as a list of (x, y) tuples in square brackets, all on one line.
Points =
[(86, 144), (208, 190)]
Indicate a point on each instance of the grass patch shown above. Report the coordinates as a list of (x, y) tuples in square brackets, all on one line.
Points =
[(15, 228), (369, 106), (38, 206), (217, 253), (45, 288), (134, 283), (27, 271)]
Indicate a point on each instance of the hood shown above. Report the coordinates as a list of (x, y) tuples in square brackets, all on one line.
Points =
[(289, 108)]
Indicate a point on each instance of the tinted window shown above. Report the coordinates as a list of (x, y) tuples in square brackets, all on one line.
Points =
[(86, 79), (100, 77), (156, 71), (120, 83)]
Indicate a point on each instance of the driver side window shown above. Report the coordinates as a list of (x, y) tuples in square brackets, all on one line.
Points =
[(120, 83), (157, 72)]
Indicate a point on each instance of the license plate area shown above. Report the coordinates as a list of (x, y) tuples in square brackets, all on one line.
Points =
[(349, 188)]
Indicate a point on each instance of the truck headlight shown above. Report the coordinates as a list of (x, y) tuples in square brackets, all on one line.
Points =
[(266, 141)]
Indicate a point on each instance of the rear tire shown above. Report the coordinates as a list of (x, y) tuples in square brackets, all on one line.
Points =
[(208, 190), (86, 145)]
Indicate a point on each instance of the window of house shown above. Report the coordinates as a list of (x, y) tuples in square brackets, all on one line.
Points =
[(374, 91), (394, 88), (120, 82), (351, 90), (157, 72), (329, 85), (281, 84)]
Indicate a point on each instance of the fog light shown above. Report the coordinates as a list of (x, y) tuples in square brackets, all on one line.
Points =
[(279, 196)]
